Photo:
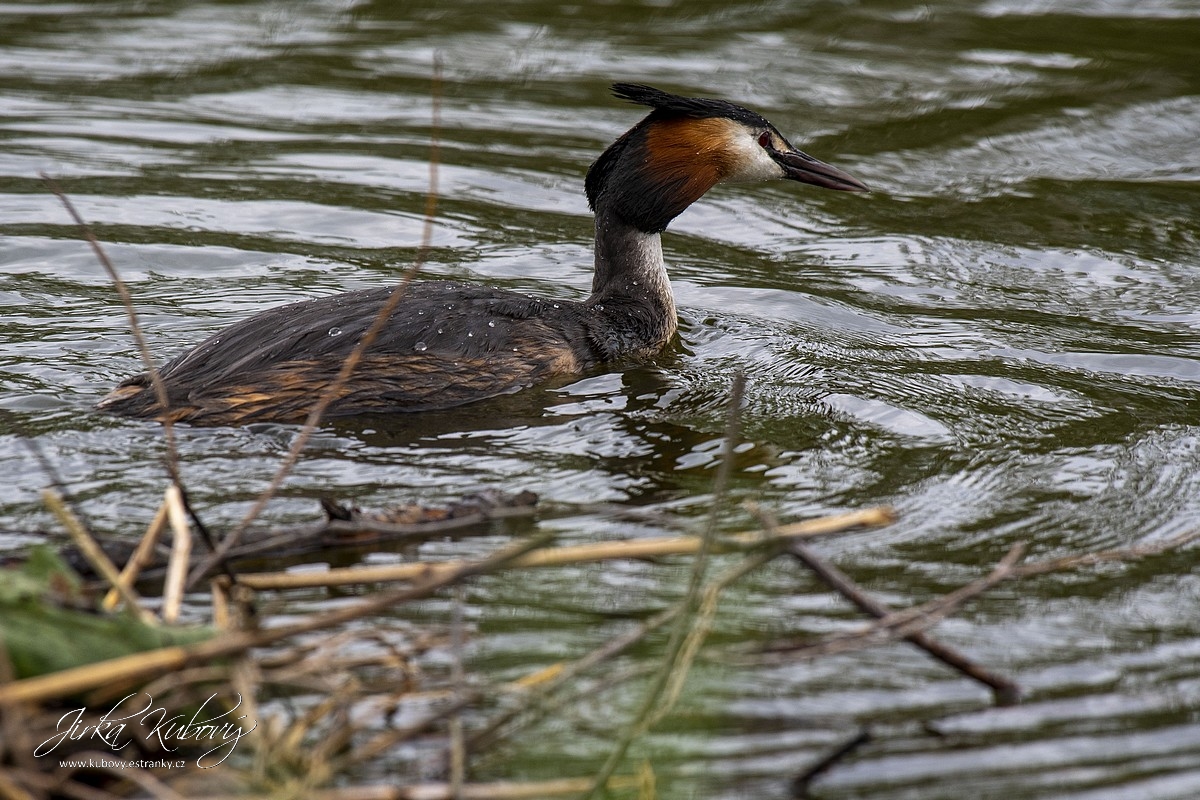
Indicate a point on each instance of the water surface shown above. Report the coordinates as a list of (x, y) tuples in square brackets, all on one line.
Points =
[(1002, 340)]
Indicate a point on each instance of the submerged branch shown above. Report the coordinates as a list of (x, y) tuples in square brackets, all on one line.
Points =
[(897, 624), (1005, 691)]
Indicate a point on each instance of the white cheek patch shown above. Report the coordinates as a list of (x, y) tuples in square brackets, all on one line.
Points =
[(751, 162)]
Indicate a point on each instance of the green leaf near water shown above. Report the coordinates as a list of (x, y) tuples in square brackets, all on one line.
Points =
[(41, 635)]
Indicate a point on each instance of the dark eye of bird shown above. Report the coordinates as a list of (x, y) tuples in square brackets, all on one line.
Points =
[(764, 139)]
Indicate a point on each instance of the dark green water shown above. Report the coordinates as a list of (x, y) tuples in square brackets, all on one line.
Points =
[(1002, 340)]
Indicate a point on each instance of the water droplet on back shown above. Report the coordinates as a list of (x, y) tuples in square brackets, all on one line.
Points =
[(420, 347), (335, 331)]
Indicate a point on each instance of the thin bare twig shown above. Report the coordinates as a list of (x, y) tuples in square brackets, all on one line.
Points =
[(898, 624), (139, 338), (1115, 555), (334, 388), (135, 326), (803, 781), (1005, 691)]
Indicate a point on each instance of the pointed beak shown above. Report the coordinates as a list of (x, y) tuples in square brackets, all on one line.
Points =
[(798, 166)]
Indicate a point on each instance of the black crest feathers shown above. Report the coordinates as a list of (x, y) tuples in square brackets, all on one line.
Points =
[(622, 179), (666, 104)]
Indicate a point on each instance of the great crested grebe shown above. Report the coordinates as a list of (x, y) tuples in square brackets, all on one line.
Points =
[(449, 343)]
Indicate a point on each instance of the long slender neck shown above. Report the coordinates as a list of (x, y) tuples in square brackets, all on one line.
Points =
[(631, 280), (629, 264)]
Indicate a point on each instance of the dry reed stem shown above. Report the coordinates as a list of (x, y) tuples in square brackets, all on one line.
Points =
[(316, 758), (94, 555), (142, 555), (221, 619), (181, 554), (155, 662), (246, 679), (535, 688), (139, 338), (165, 659), (647, 782), (533, 693), (331, 392), (576, 554), (68, 682), (387, 696), (179, 688)]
